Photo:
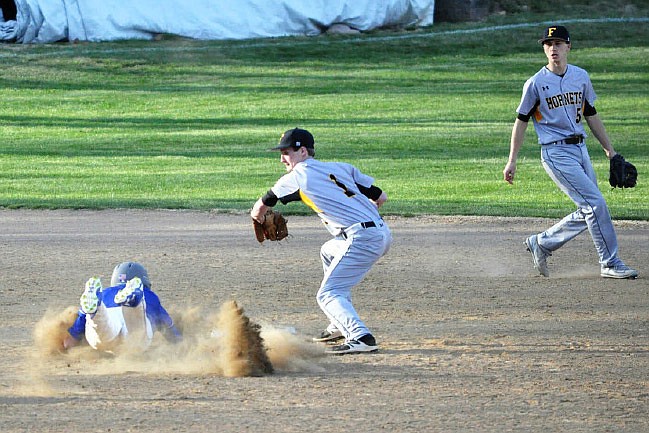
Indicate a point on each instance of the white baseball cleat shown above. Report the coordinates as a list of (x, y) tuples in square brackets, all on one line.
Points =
[(538, 256), (365, 344), (131, 294), (89, 299), (618, 271)]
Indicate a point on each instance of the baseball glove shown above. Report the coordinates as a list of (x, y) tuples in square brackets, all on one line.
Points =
[(622, 174), (272, 228)]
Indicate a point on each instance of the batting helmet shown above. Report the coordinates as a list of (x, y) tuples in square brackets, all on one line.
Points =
[(127, 271)]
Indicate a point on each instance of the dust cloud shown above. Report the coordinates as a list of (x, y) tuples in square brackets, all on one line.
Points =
[(226, 344)]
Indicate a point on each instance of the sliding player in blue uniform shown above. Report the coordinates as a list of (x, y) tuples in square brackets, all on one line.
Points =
[(128, 312)]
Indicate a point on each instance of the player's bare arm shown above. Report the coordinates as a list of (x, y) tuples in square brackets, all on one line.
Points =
[(382, 199), (599, 131), (258, 211), (518, 134)]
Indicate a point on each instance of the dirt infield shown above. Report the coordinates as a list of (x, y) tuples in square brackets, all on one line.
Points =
[(471, 339)]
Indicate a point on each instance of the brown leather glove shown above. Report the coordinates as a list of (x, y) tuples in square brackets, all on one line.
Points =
[(273, 227)]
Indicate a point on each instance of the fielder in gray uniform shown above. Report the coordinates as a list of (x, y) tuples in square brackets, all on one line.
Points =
[(559, 98), (347, 202)]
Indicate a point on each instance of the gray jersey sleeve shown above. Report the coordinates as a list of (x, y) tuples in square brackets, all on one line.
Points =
[(529, 99)]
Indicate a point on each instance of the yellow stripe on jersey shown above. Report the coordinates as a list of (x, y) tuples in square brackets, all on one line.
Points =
[(307, 201)]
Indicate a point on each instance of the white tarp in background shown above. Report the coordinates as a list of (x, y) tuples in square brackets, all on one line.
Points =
[(46, 21)]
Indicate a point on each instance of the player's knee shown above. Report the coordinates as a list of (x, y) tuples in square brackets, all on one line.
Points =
[(596, 206), (324, 296)]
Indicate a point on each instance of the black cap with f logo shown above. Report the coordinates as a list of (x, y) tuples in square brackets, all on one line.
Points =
[(555, 33)]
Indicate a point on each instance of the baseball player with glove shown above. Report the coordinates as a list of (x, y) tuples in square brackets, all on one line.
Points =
[(347, 202), (558, 98), (126, 312)]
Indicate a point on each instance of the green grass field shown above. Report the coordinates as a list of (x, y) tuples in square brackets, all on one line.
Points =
[(186, 124)]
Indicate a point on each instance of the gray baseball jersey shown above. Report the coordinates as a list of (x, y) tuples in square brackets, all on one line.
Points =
[(556, 102), (331, 190)]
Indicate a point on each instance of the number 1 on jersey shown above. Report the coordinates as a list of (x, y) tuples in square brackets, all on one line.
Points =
[(342, 186)]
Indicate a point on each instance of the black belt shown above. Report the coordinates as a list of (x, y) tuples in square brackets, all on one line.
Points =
[(573, 139), (365, 225)]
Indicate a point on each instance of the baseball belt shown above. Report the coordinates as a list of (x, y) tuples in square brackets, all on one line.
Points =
[(573, 139)]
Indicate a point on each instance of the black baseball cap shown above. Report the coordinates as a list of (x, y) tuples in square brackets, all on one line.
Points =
[(555, 32), (295, 137)]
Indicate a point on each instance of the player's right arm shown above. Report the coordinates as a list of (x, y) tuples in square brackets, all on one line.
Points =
[(526, 109), (518, 134)]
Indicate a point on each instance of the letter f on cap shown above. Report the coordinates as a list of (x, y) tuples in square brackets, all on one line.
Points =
[(551, 30)]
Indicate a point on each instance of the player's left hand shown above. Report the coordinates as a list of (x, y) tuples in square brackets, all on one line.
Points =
[(622, 174), (69, 342)]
